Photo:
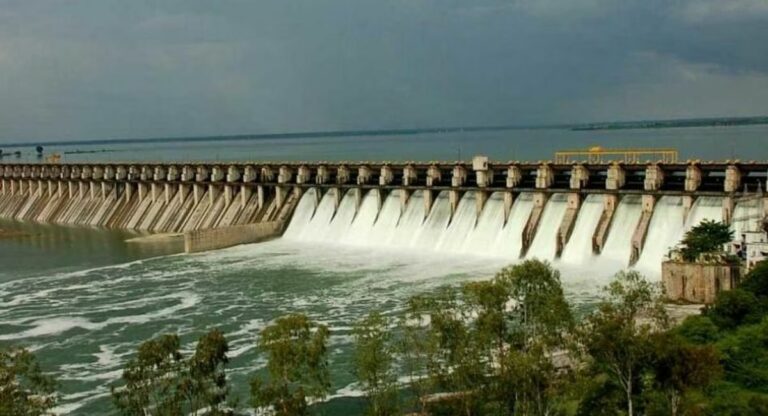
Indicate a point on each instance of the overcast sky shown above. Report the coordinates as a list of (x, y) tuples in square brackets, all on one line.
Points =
[(132, 68)]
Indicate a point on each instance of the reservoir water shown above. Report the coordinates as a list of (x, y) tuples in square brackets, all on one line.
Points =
[(83, 299)]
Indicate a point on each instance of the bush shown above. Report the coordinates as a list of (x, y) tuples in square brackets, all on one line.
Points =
[(756, 281), (733, 308), (699, 329)]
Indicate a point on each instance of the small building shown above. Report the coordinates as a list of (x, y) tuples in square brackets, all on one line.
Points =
[(700, 281)]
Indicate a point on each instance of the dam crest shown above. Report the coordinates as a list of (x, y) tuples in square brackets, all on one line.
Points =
[(627, 213)]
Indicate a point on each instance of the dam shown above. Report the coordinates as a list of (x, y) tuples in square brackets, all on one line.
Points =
[(624, 213)]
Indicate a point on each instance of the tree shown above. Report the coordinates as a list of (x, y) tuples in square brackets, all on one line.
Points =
[(539, 308), (617, 336), (374, 357), (296, 351), (679, 367), (706, 237), (204, 384), (151, 379), (24, 388), (756, 281), (733, 308), (698, 329), (160, 381)]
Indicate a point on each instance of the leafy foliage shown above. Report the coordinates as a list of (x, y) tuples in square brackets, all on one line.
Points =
[(296, 349), (733, 308), (374, 358), (706, 237), (160, 381), (24, 388)]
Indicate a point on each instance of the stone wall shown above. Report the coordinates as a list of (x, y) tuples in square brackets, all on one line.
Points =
[(216, 238), (698, 282)]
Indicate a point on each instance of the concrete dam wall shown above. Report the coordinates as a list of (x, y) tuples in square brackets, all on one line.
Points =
[(629, 213)]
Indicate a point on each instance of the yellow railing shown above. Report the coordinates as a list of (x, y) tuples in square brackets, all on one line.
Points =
[(599, 154)]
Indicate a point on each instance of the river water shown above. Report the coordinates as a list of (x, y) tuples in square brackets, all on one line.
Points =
[(83, 299)]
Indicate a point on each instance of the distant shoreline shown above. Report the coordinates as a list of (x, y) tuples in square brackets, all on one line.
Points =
[(619, 125)]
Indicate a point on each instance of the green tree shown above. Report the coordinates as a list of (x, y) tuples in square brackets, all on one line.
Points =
[(151, 379), (24, 388), (617, 335), (297, 364), (204, 383), (539, 309), (733, 308), (698, 329), (679, 367), (756, 281), (706, 237), (374, 358), (160, 381)]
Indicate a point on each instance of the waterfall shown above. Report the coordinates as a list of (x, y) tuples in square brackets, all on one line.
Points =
[(386, 220), (544, 244), (664, 233), (579, 248), (618, 245)]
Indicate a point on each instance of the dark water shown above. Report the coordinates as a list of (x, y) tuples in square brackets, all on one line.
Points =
[(706, 143)]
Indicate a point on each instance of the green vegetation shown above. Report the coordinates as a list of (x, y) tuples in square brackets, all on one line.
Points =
[(505, 347), (24, 389), (706, 237)]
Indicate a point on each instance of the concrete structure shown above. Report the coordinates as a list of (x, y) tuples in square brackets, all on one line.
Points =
[(698, 282), (181, 197), (216, 238)]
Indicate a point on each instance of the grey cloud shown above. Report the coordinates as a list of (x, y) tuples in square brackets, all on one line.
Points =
[(113, 68)]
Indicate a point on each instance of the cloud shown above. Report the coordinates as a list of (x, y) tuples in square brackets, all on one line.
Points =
[(111, 68)]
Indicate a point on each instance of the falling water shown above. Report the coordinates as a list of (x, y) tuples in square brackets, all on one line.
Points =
[(618, 245), (579, 248), (705, 208), (544, 243), (510, 241), (482, 239), (664, 232)]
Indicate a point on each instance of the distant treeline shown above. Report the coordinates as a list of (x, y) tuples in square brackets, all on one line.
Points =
[(665, 124)]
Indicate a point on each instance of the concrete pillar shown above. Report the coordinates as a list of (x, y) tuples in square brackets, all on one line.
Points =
[(182, 192), (481, 197), (260, 196), (229, 194), (509, 199), (94, 189), (483, 171), (434, 175), (429, 196), (688, 201), (458, 176), (128, 191), (323, 175), (249, 174), (72, 189), (156, 191), (217, 174), (654, 178), (188, 174), (97, 172), (105, 188), (405, 195), (337, 195), (143, 190), (386, 176), (213, 193), (233, 174), (342, 175), (545, 176), (454, 197), (285, 174), (616, 177), (409, 175), (729, 205), (202, 174), (600, 235), (280, 195), (121, 173), (641, 230), (692, 178), (197, 192), (304, 174), (732, 179), (245, 195), (532, 225), (159, 174), (514, 176), (579, 177), (568, 222), (267, 174), (363, 174)]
